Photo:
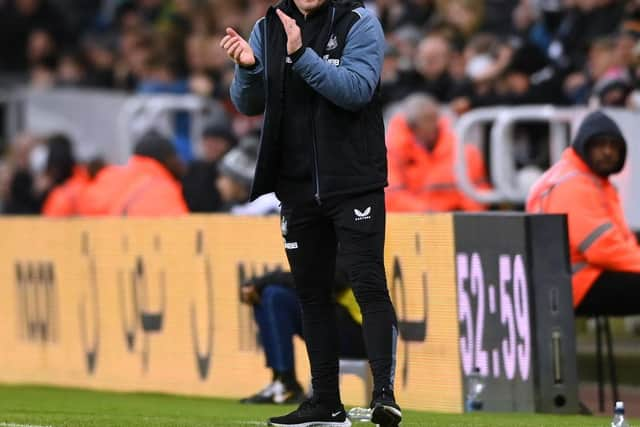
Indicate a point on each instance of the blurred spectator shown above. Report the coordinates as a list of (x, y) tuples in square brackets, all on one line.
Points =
[(406, 41), (27, 183), (530, 79), (585, 21), (23, 25), (41, 47), (536, 22), (463, 16), (613, 89), (483, 61), (78, 14), (68, 180), (397, 13), (135, 51), (164, 76), (421, 153), (276, 309), (498, 17), (278, 315), (103, 190), (431, 74), (43, 74), (208, 69), (199, 184), (605, 254), (5, 183), (100, 56), (390, 77), (511, 77), (601, 61), (235, 178), (398, 73), (154, 187), (72, 70), (149, 185)]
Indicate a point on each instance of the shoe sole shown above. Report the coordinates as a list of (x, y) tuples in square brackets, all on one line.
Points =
[(386, 416), (345, 423)]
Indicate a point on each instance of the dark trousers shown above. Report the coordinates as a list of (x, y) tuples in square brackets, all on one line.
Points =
[(279, 318), (312, 233), (614, 293)]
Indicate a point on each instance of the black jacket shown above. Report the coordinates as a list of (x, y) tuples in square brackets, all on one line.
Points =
[(347, 148), (199, 187)]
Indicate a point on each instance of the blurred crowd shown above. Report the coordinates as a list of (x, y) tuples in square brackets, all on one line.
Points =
[(43, 176), (462, 54)]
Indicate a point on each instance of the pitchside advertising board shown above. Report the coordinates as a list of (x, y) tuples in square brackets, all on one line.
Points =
[(153, 305)]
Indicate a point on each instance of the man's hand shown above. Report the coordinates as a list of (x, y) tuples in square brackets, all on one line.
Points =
[(294, 35), (238, 49), (249, 295)]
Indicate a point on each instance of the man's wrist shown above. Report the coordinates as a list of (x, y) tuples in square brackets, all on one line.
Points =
[(297, 54), (250, 67)]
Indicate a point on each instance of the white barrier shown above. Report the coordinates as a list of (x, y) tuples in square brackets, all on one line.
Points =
[(502, 163)]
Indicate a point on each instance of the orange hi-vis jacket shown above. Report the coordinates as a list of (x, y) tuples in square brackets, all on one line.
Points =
[(141, 188), (63, 200), (424, 181), (599, 237), (103, 190)]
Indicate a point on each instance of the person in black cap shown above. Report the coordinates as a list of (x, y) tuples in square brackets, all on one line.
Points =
[(198, 185)]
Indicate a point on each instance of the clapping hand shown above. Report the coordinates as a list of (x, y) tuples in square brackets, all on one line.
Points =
[(294, 35), (238, 49)]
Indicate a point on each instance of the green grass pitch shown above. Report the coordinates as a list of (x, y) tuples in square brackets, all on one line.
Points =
[(22, 406)]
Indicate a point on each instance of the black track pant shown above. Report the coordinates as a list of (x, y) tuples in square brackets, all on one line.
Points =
[(312, 233), (614, 293)]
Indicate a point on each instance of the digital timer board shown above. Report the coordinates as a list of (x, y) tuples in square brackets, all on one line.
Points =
[(514, 310)]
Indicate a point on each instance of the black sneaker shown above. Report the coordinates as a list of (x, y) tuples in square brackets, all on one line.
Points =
[(385, 410), (277, 393), (313, 413)]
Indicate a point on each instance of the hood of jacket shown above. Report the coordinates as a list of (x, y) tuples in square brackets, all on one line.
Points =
[(598, 124)]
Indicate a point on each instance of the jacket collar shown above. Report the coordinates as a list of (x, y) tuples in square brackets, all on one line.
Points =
[(574, 159), (289, 7)]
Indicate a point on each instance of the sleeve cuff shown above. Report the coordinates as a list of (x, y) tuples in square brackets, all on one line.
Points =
[(251, 68), (297, 54)]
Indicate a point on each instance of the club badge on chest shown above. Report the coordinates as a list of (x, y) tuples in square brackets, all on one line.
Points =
[(332, 44), (332, 61)]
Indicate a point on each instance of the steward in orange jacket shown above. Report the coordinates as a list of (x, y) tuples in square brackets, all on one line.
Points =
[(146, 186), (421, 156), (605, 255), (103, 190), (62, 201), (68, 179)]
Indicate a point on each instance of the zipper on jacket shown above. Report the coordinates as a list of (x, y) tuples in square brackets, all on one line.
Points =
[(315, 156), (313, 123)]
